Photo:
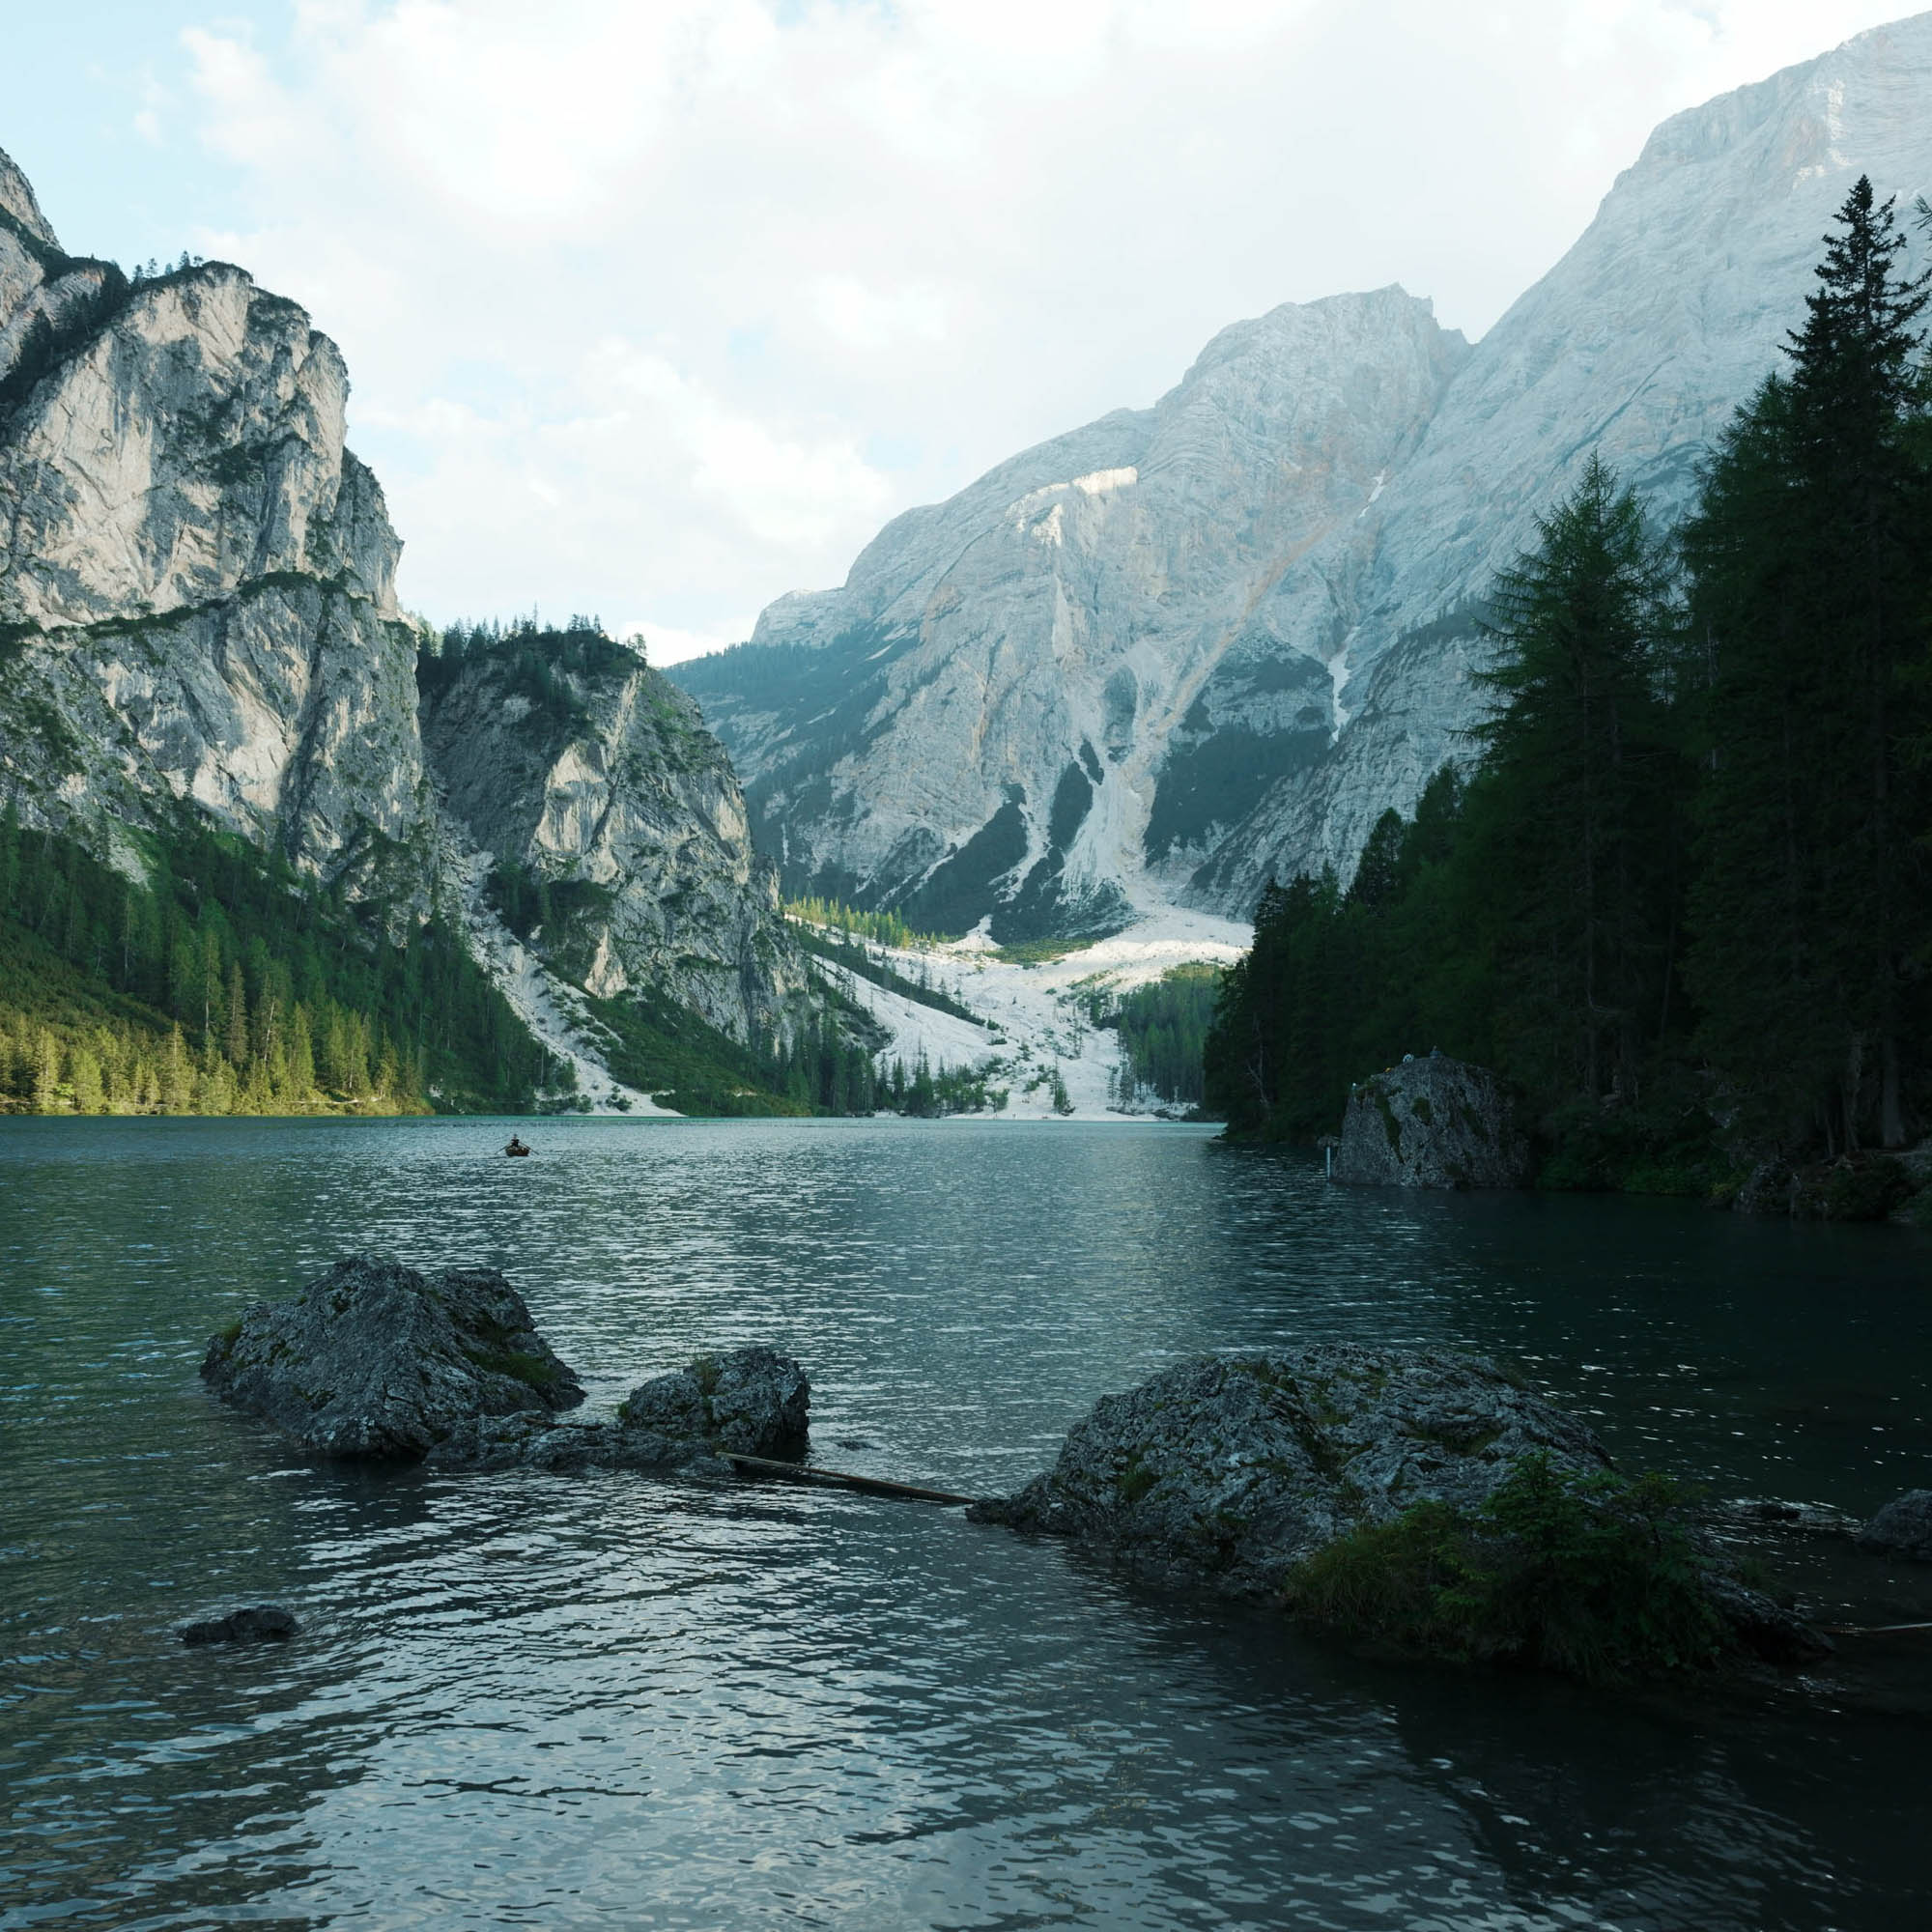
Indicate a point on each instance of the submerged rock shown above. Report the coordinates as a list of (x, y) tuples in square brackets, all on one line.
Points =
[(1432, 1123), (260, 1623), (374, 1359), (1236, 1473), (1903, 1527)]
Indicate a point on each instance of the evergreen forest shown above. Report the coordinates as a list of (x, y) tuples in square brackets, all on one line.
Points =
[(1163, 1031), (1677, 892), (225, 984)]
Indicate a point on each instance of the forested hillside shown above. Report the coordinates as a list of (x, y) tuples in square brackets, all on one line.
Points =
[(1680, 899), (226, 985)]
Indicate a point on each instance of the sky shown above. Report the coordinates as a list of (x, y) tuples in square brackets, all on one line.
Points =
[(656, 309)]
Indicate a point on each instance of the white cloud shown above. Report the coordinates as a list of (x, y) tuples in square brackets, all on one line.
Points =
[(629, 291)]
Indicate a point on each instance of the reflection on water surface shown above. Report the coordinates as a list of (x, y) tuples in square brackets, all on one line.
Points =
[(606, 1701)]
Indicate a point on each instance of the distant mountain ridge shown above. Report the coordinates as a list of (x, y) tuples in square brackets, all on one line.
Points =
[(1182, 649)]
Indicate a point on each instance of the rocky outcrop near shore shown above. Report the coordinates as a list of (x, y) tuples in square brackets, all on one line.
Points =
[(1903, 1527), (746, 1402), (1245, 1474), (1231, 1470), (373, 1359), (1432, 1123)]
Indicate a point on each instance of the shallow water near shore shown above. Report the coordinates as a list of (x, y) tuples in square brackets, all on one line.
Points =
[(608, 1701)]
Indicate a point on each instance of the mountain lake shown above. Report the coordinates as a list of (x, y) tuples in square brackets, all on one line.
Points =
[(608, 1700)]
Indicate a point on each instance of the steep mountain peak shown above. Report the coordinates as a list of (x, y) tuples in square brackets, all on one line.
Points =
[(1665, 314), (198, 610), (18, 204), (1046, 702), (985, 721), (1796, 118)]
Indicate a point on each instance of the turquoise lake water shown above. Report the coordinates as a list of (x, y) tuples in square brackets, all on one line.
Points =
[(608, 1701)]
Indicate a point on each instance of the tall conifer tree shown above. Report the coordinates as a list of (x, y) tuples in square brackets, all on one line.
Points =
[(1810, 580), (1580, 784)]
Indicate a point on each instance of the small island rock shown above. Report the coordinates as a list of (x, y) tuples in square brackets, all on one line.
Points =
[(753, 1402), (373, 1359), (1432, 1123), (1903, 1527), (1237, 1472)]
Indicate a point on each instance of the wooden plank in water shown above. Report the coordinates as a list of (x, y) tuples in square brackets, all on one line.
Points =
[(837, 1479)]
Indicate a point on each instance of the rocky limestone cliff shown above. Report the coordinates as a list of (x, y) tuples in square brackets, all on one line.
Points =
[(197, 578), (617, 804), (198, 611), (1051, 694), (1184, 648)]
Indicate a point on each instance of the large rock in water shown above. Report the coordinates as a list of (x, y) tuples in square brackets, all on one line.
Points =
[(374, 1359), (749, 1402), (1230, 1472), (1903, 1527), (1433, 1122)]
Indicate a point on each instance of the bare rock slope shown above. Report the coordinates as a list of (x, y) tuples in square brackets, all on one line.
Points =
[(624, 811)]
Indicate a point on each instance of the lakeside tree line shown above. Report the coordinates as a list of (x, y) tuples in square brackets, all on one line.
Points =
[(1680, 885), (225, 984)]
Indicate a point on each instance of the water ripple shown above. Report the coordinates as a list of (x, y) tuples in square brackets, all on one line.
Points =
[(598, 1700)]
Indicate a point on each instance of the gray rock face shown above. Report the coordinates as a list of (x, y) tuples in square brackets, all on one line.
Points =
[(1903, 1527), (373, 1359), (1090, 663), (1668, 311), (1230, 1473), (1432, 1123), (1184, 648), (197, 578), (629, 808)]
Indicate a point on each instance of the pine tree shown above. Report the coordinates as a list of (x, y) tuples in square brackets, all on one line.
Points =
[(1812, 563), (301, 1059), (1581, 784), (236, 1020), (177, 1095)]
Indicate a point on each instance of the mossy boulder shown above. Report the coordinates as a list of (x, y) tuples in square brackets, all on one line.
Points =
[(1418, 1497), (751, 1402), (1233, 1470), (373, 1359)]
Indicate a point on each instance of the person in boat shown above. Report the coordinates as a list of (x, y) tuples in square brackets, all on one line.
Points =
[(516, 1146)]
